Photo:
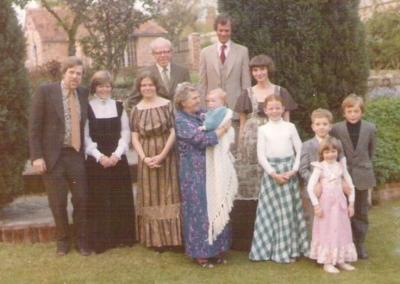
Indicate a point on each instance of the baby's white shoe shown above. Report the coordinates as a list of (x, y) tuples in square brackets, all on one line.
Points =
[(346, 266), (331, 269)]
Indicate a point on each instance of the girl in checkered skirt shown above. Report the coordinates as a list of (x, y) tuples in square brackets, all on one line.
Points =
[(280, 232)]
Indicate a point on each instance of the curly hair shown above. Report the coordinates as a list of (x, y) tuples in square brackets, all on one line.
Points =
[(182, 93)]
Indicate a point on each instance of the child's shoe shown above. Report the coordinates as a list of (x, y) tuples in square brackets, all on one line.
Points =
[(331, 269), (346, 267)]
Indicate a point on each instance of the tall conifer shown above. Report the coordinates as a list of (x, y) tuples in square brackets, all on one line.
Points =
[(318, 47), (14, 97)]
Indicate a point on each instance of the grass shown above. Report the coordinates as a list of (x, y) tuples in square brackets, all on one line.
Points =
[(38, 263)]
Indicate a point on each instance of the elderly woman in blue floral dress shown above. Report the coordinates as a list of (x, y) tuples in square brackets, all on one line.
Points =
[(192, 144)]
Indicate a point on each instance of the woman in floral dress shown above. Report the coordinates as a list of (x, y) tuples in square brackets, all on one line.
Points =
[(192, 144), (250, 108)]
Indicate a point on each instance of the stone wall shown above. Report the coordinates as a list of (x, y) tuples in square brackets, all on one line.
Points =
[(376, 78), (384, 83)]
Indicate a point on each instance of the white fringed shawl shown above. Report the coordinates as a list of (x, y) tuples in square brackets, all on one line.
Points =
[(221, 182)]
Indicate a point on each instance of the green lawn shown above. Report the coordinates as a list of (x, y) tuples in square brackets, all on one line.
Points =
[(38, 263)]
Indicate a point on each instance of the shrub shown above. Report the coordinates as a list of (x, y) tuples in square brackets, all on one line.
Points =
[(383, 39), (386, 116), (14, 98), (317, 45)]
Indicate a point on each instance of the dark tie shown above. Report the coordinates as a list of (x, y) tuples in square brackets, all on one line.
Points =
[(222, 55)]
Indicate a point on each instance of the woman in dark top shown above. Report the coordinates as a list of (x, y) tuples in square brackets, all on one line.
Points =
[(251, 113), (107, 138)]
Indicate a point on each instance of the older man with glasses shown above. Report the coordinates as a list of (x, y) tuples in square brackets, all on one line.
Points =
[(170, 73)]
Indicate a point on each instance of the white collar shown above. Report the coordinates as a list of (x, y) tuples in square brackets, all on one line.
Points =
[(276, 121), (101, 100), (228, 44), (320, 139)]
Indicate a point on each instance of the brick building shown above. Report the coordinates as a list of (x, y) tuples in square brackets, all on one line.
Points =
[(47, 40)]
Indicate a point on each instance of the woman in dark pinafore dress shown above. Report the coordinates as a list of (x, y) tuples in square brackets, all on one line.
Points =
[(107, 138)]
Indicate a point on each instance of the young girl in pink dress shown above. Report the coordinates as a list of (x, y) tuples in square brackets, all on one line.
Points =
[(332, 243)]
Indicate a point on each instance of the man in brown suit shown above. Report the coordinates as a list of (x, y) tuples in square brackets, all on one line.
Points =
[(169, 73), (57, 119)]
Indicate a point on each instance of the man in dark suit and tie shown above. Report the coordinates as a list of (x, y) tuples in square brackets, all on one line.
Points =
[(57, 119)]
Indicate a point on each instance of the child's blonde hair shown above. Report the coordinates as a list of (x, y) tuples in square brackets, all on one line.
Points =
[(321, 113), (353, 100), (219, 92), (328, 144), (272, 98)]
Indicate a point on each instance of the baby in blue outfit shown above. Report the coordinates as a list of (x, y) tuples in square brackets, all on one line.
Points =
[(216, 110)]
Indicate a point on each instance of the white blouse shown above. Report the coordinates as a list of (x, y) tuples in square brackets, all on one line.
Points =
[(278, 139), (107, 109), (334, 170)]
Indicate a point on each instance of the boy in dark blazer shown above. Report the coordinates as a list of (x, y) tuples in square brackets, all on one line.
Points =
[(56, 126), (358, 138)]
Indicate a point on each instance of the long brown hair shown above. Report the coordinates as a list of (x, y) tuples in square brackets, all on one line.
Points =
[(160, 90)]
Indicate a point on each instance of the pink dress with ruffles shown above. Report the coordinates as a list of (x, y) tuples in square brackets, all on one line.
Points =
[(332, 241)]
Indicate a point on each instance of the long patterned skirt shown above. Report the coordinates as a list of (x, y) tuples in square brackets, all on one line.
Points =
[(280, 232), (158, 210)]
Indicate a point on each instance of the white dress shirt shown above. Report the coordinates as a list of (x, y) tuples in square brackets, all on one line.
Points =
[(107, 108), (278, 139), (161, 69)]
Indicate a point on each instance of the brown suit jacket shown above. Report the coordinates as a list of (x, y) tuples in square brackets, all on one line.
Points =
[(46, 123), (178, 75)]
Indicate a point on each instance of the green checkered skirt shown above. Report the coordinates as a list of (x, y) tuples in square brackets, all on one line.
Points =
[(280, 232)]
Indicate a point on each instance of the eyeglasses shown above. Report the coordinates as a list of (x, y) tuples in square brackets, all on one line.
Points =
[(160, 52)]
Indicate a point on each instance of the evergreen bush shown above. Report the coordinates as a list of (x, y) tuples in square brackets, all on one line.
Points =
[(14, 98), (386, 116), (318, 47)]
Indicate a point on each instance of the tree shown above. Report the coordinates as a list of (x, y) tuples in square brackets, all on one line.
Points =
[(317, 45), (344, 62), (383, 39), (14, 97), (176, 15), (109, 25), (69, 22)]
